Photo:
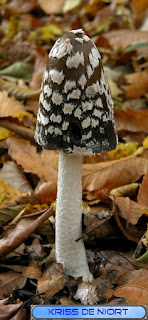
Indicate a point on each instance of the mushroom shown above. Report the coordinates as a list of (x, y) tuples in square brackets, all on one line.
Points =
[(75, 116)]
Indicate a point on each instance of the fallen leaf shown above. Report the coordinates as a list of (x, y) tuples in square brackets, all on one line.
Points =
[(20, 130), (52, 6), (136, 46), (46, 192), (71, 5), (11, 174), (136, 84), (35, 250), (67, 302), (45, 34), (19, 92), (129, 209), (114, 89), (132, 120), (139, 9), (11, 280), (20, 6), (112, 174), (8, 310), (5, 133), (125, 37), (135, 289), (15, 235), (20, 315), (18, 69), (127, 190), (52, 280), (9, 196), (32, 272), (123, 150), (9, 105), (143, 192), (7, 214), (43, 164), (39, 67)]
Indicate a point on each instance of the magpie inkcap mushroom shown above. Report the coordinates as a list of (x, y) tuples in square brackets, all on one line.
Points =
[(76, 117)]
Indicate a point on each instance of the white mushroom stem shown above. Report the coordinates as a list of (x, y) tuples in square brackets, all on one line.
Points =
[(69, 218)]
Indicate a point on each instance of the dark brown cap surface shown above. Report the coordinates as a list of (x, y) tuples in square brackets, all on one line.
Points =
[(75, 109)]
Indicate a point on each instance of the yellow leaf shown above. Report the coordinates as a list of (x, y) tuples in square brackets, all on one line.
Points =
[(2, 193), (145, 143), (43, 34), (123, 150), (13, 28), (8, 195), (53, 205), (127, 190), (5, 133), (22, 114)]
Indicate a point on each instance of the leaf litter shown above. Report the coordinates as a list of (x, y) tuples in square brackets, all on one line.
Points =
[(115, 205)]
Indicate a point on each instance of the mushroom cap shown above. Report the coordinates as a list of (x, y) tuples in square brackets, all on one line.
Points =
[(75, 107)]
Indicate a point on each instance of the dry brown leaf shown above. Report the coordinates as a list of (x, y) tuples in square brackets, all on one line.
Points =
[(136, 84), (52, 280), (114, 89), (14, 236), (100, 228), (14, 177), (11, 280), (19, 92), (39, 67), (143, 192), (125, 38), (8, 310), (21, 6), (9, 106), (112, 174), (20, 315), (67, 301), (134, 291), (46, 192), (139, 9), (7, 214), (129, 209), (35, 250), (52, 6), (132, 120), (43, 164), (32, 272)]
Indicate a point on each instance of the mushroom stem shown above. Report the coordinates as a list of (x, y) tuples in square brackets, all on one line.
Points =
[(69, 218)]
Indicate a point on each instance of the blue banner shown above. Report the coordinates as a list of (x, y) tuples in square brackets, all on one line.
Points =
[(88, 312)]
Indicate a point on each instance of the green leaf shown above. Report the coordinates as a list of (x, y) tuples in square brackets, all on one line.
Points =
[(143, 258), (136, 46), (18, 69)]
